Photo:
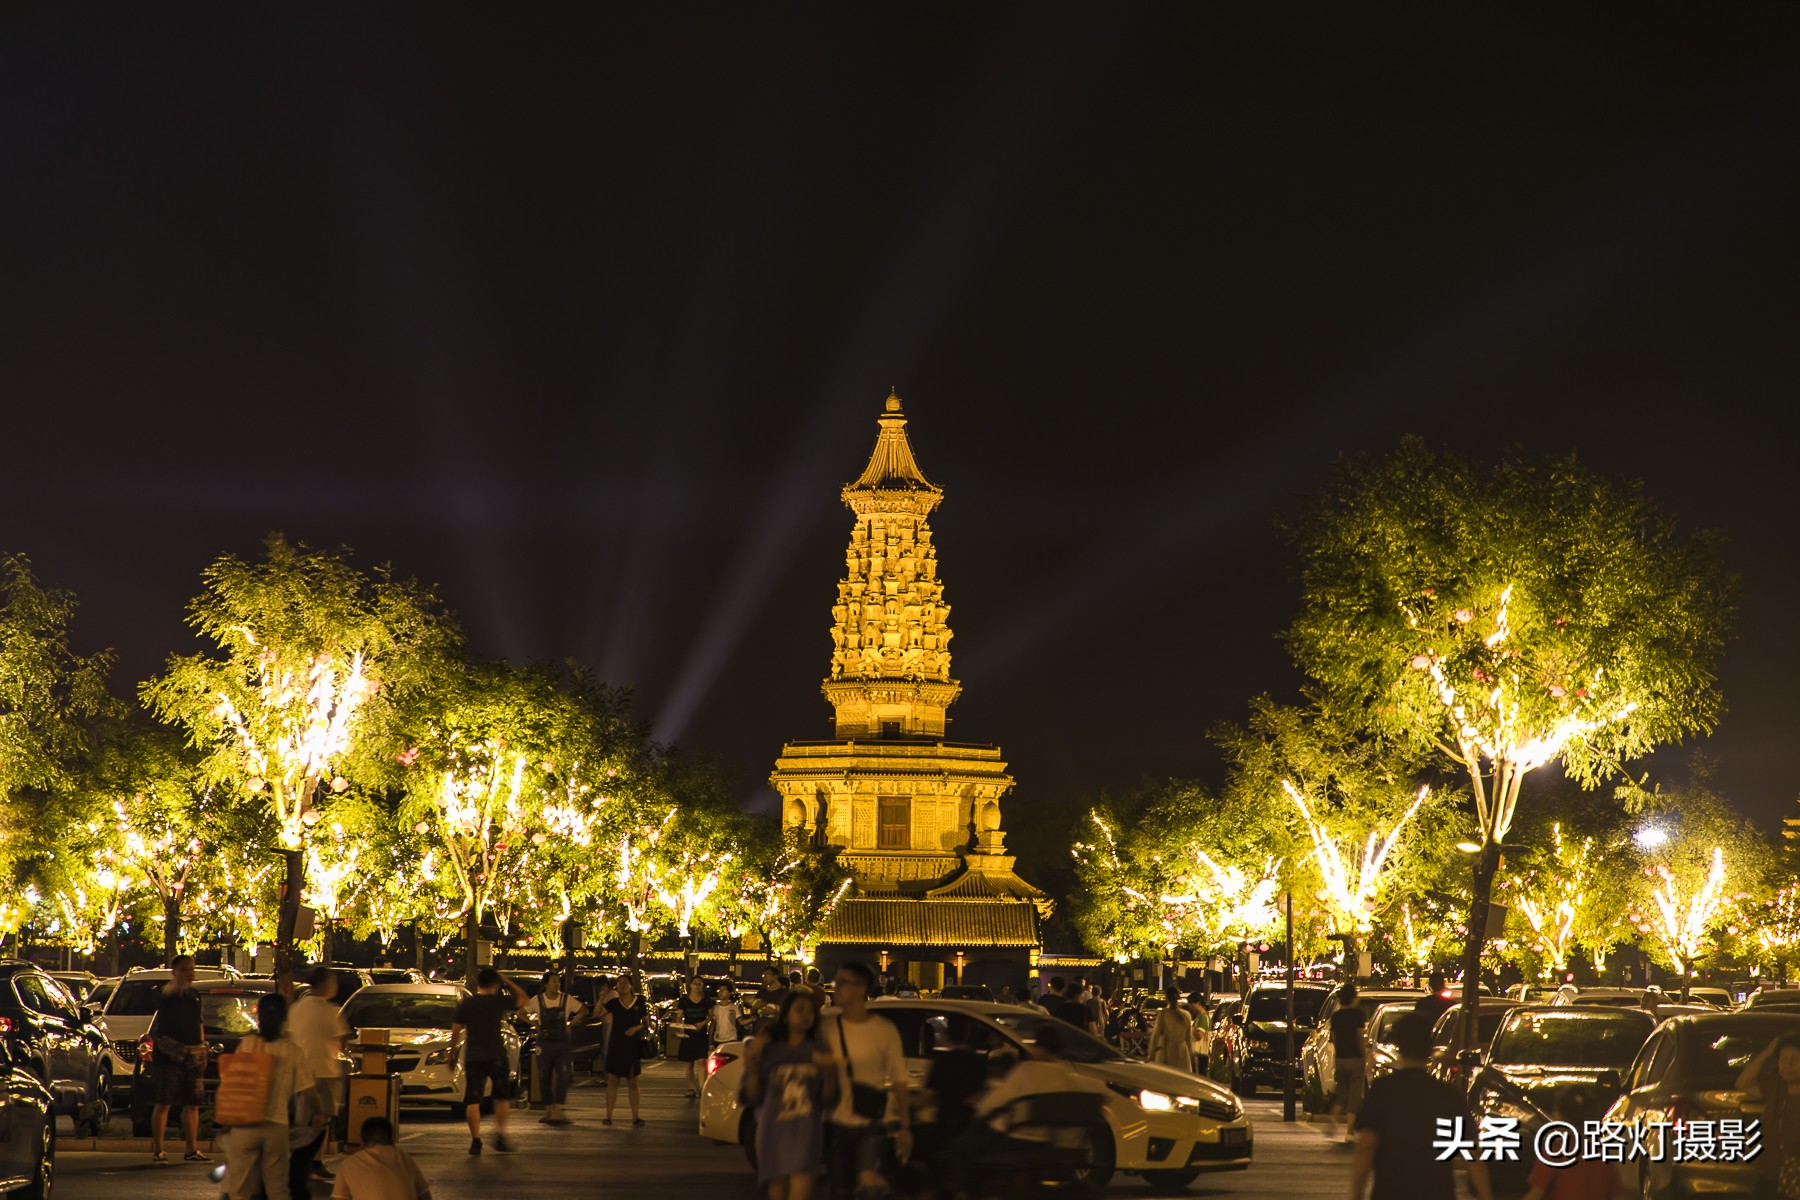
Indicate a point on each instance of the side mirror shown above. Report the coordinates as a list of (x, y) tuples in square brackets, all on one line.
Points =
[(1607, 1079)]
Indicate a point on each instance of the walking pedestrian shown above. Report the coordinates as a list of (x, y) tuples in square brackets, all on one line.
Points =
[(1172, 1037), (316, 1025), (1435, 1002), (257, 1156), (476, 1025), (1347, 1050), (791, 1080), (1398, 1126), (1200, 1011), (725, 1020), (380, 1170), (774, 992), (1773, 1077), (557, 1012), (872, 1058), (626, 1019), (691, 1013), (177, 1062)]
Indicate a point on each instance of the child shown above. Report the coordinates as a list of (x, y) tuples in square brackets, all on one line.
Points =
[(1584, 1179)]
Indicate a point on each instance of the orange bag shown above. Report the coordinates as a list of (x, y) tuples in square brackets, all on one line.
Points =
[(243, 1096)]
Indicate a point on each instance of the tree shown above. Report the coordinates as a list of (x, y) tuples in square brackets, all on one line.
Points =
[(1505, 618), (310, 661), (1552, 888), (50, 700), (785, 888)]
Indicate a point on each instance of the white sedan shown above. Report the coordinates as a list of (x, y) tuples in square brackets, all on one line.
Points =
[(1160, 1123), (418, 1017)]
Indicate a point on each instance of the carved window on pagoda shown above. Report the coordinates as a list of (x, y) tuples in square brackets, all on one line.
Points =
[(894, 832)]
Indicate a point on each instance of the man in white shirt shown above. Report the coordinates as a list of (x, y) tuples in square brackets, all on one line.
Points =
[(380, 1170), (869, 1055), (317, 1027)]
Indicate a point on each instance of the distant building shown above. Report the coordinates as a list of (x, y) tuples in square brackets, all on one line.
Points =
[(917, 817)]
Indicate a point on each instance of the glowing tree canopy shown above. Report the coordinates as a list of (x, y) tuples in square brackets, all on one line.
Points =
[(1507, 616), (1552, 890), (1351, 881)]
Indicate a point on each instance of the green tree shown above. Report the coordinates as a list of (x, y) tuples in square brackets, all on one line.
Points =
[(1506, 617), (309, 663), (785, 888)]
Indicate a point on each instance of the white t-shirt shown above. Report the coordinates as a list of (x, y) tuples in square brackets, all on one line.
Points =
[(379, 1173), (876, 1058), (725, 1022), (571, 1007), (314, 1024)]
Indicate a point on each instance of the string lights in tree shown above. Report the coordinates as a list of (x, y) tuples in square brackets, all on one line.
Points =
[(1686, 911), (1351, 881), (1552, 894)]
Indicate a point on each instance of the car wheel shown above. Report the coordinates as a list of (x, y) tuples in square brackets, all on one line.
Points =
[(747, 1137), (1101, 1156), (39, 1187), (1172, 1180)]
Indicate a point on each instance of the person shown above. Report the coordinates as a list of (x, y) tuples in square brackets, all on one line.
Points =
[(774, 993), (316, 1025), (1773, 1077), (477, 1022), (178, 1062), (626, 1019), (557, 1013), (1006, 994), (1172, 1036), (1398, 1124), (815, 983), (791, 1081), (257, 1156), (604, 993), (1652, 999), (1065, 1003), (958, 1073), (870, 1054), (1585, 1178), (1347, 1054), (1200, 1010), (691, 1013), (1039, 1071), (380, 1170), (1435, 1002), (725, 1018), (1096, 1010)]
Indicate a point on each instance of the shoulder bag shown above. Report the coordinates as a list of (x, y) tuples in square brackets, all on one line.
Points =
[(244, 1081), (866, 1101)]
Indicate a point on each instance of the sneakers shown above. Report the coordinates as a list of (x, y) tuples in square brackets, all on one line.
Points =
[(636, 1123), (321, 1171), (501, 1144), (196, 1156), (160, 1159), (474, 1145)]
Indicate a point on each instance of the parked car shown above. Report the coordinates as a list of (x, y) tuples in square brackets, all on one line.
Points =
[(125, 1018), (1318, 1058), (1257, 1033), (1610, 996), (967, 991), (57, 1038), (1449, 1061), (1539, 1050), (227, 1013), (350, 980), (79, 984), (1774, 998), (28, 1130), (396, 975), (1383, 1057), (1688, 1070), (1532, 993), (103, 990), (418, 1017), (1716, 997), (1162, 1124)]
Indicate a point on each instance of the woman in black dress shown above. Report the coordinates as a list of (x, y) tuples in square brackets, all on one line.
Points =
[(624, 1047), (691, 1013)]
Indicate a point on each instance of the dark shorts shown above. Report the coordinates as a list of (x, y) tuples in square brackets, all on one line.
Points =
[(477, 1073), (178, 1082)]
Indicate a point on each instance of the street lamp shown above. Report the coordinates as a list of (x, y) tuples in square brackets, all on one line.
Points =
[(960, 959), (1650, 837)]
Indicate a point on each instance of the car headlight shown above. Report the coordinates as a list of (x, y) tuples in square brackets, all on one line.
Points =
[(1155, 1101), (438, 1057)]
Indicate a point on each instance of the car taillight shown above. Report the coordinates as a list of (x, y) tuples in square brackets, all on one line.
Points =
[(146, 1050), (715, 1061), (6, 1025)]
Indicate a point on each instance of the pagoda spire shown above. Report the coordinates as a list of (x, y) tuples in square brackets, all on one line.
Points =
[(890, 660)]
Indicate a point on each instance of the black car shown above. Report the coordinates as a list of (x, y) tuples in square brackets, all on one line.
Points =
[(227, 1013), (1538, 1051), (1258, 1034), (28, 1128), (56, 1037)]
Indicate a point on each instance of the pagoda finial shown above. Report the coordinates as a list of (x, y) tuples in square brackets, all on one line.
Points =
[(891, 465), (893, 400)]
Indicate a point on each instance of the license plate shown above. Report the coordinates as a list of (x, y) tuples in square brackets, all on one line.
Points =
[(1233, 1137)]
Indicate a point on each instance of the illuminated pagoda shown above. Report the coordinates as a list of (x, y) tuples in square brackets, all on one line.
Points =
[(916, 817)]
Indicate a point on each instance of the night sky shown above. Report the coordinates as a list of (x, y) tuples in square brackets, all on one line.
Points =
[(587, 325)]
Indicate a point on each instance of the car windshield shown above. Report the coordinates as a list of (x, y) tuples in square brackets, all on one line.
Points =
[(1571, 1039), (1272, 1005), (1077, 1047), (1381, 1032), (229, 1014), (101, 994), (391, 975), (136, 998), (1486, 1021), (400, 1010)]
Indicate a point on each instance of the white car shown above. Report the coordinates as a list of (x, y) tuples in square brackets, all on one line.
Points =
[(1163, 1124), (418, 1018), (1318, 1057), (126, 1018)]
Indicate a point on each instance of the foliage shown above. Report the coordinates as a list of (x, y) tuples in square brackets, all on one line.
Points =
[(1703, 879), (785, 889)]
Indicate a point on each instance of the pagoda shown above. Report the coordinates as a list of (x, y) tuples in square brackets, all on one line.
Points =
[(915, 816)]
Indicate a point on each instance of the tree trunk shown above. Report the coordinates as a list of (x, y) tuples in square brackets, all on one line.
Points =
[(287, 924), (171, 926), (637, 955), (1486, 863), (471, 947), (116, 951), (325, 947)]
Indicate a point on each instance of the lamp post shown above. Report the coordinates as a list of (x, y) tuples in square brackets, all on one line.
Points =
[(1287, 1070), (960, 959)]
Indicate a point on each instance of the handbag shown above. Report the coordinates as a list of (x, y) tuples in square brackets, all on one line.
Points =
[(243, 1095), (866, 1101)]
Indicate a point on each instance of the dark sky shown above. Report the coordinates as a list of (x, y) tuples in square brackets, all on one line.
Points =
[(587, 324)]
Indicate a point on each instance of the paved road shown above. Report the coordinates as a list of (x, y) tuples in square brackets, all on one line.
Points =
[(668, 1159)]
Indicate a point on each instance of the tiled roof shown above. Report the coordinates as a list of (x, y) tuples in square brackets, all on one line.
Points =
[(956, 924)]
